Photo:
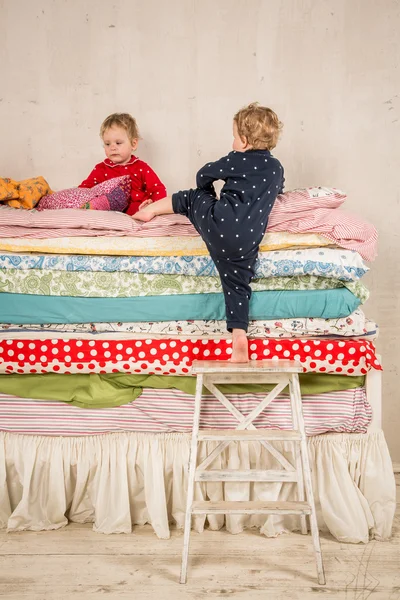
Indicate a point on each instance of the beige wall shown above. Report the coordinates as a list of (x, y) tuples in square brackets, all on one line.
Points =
[(182, 67)]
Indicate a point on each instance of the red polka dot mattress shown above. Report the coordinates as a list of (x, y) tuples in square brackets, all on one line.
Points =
[(175, 356)]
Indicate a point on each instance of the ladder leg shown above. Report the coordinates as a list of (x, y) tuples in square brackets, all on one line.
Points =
[(300, 488), (307, 480), (298, 461), (191, 476)]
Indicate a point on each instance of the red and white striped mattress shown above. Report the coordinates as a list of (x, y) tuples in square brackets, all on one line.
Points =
[(163, 411)]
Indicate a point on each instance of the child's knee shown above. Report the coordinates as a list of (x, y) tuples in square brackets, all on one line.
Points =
[(182, 201)]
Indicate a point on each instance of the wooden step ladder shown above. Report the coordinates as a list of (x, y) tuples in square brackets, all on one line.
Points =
[(282, 373)]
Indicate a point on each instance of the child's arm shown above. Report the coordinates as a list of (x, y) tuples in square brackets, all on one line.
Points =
[(153, 186), (220, 169), (95, 177)]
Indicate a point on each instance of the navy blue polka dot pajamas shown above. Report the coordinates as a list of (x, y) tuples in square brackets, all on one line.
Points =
[(233, 226)]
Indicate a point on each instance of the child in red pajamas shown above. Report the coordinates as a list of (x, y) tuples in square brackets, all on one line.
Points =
[(120, 136)]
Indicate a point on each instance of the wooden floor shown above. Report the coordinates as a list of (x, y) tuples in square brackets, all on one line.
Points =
[(75, 563)]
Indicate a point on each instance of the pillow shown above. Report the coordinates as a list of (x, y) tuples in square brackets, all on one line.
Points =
[(113, 194), (303, 199)]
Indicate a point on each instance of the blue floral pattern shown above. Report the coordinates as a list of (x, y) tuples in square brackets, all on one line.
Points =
[(345, 265)]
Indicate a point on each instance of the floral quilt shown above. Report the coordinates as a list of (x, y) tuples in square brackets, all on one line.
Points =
[(346, 265)]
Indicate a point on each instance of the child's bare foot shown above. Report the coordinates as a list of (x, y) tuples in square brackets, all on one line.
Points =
[(146, 214), (240, 347), (161, 207)]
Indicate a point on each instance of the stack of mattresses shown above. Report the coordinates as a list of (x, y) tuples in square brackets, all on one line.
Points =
[(111, 320)]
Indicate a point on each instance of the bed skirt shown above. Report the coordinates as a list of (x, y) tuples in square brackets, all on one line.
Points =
[(119, 479)]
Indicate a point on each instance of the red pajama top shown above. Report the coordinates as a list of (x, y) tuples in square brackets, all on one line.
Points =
[(145, 183)]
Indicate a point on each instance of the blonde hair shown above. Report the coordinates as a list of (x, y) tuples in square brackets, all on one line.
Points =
[(259, 125), (124, 120)]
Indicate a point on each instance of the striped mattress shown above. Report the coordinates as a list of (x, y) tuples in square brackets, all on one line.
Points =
[(165, 411)]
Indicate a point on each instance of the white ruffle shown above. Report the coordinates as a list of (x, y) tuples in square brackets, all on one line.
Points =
[(120, 479)]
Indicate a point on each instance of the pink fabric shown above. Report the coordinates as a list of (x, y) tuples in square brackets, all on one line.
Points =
[(70, 222), (168, 410), (97, 198), (308, 199), (314, 210)]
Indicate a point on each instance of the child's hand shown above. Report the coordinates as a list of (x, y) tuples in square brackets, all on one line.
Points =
[(145, 203)]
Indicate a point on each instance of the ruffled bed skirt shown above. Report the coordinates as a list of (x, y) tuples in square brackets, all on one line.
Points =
[(120, 479)]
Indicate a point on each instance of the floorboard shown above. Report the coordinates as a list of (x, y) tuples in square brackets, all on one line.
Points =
[(76, 563)]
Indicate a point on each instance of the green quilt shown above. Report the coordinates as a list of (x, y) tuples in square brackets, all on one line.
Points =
[(119, 284)]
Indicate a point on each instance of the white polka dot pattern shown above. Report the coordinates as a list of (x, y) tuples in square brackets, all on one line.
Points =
[(174, 356)]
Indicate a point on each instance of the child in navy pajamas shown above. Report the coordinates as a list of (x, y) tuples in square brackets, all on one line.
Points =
[(233, 225)]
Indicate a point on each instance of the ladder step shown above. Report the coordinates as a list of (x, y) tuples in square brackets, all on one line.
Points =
[(251, 508), (245, 475), (248, 435), (253, 366)]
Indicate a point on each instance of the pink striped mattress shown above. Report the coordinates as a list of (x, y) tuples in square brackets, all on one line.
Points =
[(165, 411), (311, 210), (67, 222), (315, 210)]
